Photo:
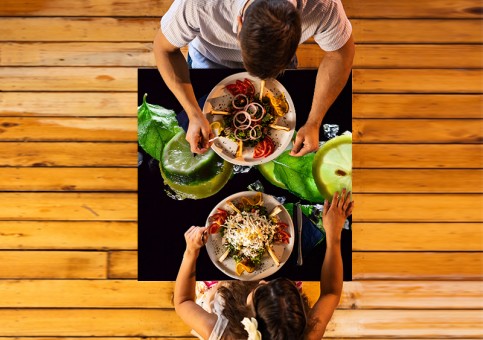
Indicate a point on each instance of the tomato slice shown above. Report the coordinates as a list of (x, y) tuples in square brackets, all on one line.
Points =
[(250, 87), (264, 148), (260, 149), (233, 89), (213, 228)]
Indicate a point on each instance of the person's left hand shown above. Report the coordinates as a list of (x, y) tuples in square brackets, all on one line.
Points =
[(195, 239), (307, 140)]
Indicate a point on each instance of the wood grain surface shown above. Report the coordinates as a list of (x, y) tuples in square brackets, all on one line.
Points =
[(68, 176)]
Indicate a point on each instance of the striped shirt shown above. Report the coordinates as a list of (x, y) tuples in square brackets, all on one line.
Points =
[(209, 28)]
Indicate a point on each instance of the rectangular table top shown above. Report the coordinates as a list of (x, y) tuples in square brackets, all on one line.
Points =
[(163, 221)]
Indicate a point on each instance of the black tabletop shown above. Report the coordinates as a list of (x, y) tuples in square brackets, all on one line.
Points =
[(162, 221)]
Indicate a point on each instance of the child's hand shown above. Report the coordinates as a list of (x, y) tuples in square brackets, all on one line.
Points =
[(335, 214), (195, 239)]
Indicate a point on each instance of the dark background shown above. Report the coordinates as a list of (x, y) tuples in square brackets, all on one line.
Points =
[(163, 221)]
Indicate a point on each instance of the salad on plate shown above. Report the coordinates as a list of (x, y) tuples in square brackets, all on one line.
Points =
[(253, 120), (248, 231)]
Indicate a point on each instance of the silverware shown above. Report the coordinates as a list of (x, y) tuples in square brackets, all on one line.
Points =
[(299, 231)]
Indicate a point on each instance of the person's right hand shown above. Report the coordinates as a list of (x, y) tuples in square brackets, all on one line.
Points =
[(335, 214), (199, 133), (195, 238)]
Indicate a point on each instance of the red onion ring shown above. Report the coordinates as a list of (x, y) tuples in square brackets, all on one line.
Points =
[(236, 97), (254, 130), (235, 133), (241, 123), (253, 106)]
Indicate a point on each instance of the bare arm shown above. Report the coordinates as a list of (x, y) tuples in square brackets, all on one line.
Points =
[(331, 77), (331, 276), (184, 290), (173, 68)]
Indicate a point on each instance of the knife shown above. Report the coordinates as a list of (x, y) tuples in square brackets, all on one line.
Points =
[(299, 231)]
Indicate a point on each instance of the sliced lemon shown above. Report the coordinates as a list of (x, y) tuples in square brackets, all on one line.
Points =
[(217, 127), (332, 166), (184, 167), (239, 269)]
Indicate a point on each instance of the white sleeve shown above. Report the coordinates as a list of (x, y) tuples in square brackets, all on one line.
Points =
[(180, 24), (335, 29)]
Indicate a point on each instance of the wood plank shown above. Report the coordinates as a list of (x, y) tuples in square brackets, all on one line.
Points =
[(354, 8), (381, 31), (417, 208), (85, 8), (52, 265), (417, 156), (453, 131), (79, 29), (123, 179), (417, 181), (414, 31), (40, 154), (366, 265), (68, 129), (77, 54), (413, 9), (100, 104), (409, 294), (309, 54), (432, 106), (86, 294), (68, 179), (401, 56), (123, 265), (70, 235), (68, 79), (97, 338), (416, 81), (417, 236), (135, 322), (68, 206), (92, 323), (416, 265), (428, 56), (150, 294), (58, 104), (125, 130)]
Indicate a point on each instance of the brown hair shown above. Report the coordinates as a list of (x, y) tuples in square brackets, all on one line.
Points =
[(281, 310), (269, 37), (235, 308), (279, 306)]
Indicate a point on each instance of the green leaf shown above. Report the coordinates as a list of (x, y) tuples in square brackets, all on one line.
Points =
[(156, 126), (296, 174)]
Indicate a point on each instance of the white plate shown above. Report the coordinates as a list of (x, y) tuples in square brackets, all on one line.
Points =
[(267, 267), (219, 99)]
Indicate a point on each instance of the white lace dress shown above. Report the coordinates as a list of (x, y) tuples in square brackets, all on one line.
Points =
[(208, 298)]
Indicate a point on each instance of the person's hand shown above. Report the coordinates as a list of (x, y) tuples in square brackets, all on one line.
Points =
[(335, 214), (199, 133), (307, 140), (195, 238)]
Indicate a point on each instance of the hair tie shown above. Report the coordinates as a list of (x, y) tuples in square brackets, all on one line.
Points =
[(251, 326)]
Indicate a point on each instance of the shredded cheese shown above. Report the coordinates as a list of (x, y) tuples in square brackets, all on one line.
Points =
[(249, 233)]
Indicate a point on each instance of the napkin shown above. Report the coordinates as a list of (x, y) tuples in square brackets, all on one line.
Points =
[(312, 230)]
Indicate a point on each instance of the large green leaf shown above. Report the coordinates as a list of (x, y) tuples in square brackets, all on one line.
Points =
[(296, 174), (156, 126)]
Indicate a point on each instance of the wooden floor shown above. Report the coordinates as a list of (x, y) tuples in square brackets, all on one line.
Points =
[(68, 176)]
